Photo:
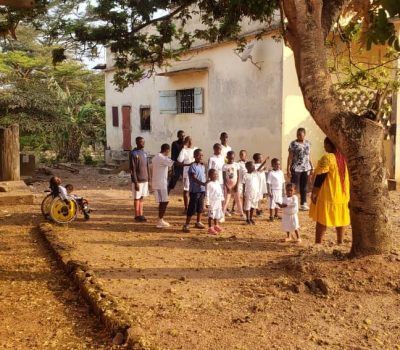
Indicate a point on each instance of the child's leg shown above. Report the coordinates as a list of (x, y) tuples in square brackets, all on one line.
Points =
[(297, 232), (251, 213), (215, 222), (185, 199), (141, 202), (340, 234), (276, 212), (288, 238), (210, 222), (236, 197), (199, 217), (188, 218), (162, 207), (137, 207), (227, 199), (233, 205), (271, 213), (247, 212)]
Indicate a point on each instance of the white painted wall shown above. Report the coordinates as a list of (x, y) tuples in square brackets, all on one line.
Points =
[(295, 114), (238, 99)]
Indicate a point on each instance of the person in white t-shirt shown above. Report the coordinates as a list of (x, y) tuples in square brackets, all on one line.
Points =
[(186, 157), (231, 183), (252, 188), (225, 148), (290, 209), (276, 188), (258, 160), (214, 197), (160, 165), (242, 171), (217, 161)]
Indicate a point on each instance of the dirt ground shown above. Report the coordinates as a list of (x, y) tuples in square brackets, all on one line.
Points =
[(244, 289)]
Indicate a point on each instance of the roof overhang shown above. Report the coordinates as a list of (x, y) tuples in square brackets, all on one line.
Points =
[(185, 68)]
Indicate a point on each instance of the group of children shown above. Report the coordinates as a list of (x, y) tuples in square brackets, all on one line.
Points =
[(247, 182)]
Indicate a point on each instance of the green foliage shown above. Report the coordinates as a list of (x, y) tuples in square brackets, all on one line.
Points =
[(58, 107)]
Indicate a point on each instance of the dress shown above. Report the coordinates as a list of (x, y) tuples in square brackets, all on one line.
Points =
[(263, 181), (214, 200), (290, 219), (251, 190), (276, 181), (332, 206)]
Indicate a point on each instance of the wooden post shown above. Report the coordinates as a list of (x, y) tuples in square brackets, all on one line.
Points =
[(9, 153)]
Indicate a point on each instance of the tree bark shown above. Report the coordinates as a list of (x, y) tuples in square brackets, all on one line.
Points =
[(360, 139), (9, 154)]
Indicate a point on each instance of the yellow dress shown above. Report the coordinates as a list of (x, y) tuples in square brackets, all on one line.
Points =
[(332, 207)]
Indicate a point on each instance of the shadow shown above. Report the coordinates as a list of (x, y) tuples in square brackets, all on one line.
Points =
[(204, 243), (26, 276)]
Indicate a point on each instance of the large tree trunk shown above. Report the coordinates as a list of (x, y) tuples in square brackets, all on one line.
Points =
[(9, 154), (360, 139)]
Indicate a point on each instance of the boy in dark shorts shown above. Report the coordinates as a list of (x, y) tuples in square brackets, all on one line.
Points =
[(197, 190)]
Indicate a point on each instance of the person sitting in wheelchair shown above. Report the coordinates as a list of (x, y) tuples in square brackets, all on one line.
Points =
[(82, 203), (57, 189)]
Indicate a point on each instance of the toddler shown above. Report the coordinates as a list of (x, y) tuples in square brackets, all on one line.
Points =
[(259, 166), (290, 209), (82, 203), (214, 200)]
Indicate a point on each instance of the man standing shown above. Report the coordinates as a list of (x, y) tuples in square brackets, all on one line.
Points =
[(176, 148), (160, 163), (140, 176), (225, 148)]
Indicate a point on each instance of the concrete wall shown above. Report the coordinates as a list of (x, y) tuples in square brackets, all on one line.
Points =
[(295, 114), (238, 98)]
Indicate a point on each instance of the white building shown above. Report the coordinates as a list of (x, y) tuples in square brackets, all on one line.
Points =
[(212, 90)]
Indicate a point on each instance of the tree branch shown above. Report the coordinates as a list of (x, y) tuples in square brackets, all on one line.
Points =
[(331, 10)]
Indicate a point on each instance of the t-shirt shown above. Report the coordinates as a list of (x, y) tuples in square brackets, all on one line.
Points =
[(217, 163), (292, 205), (252, 184), (301, 156), (160, 164), (242, 170), (231, 171), (139, 165), (276, 179), (225, 150), (214, 194), (199, 171), (186, 157), (62, 192)]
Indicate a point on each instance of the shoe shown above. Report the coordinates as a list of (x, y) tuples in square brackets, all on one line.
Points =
[(252, 222), (248, 222), (222, 220), (228, 214), (143, 219), (212, 231), (244, 217), (162, 224), (218, 229), (277, 217), (199, 225), (232, 211), (186, 228), (138, 218), (304, 207)]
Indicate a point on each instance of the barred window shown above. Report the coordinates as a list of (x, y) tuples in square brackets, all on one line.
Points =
[(185, 101), (145, 123)]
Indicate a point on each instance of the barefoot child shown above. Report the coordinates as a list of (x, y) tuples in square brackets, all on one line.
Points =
[(231, 182), (214, 200), (290, 209), (197, 190), (259, 166), (276, 188), (252, 187)]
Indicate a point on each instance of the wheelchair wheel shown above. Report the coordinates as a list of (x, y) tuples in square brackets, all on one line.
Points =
[(63, 213), (46, 205)]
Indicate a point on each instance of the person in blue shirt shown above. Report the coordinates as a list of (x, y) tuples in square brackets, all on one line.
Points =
[(197, 191)]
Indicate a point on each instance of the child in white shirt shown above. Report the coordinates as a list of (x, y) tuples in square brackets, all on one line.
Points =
[(214, 201), (232, 183), (290, 209), (217, 161), (259, 165), (242, 171), (276, 188), (252, 187), (225, 148)]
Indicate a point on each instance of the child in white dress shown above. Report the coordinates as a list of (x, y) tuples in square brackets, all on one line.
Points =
[(259, 166), (214, 201), (290, 209), (276, 188)]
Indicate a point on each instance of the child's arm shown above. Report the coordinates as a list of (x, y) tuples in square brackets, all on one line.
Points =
[(235, 188), (261, 168)]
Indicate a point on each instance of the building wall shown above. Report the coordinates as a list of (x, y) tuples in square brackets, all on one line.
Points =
[(295, 115), (238, 98)]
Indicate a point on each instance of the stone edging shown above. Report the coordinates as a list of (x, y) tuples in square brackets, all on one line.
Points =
[(104, 305)]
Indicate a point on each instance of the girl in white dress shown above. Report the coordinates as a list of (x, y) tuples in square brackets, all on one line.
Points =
[(260, 167), (290, 219), (215, 197), (276, 188)]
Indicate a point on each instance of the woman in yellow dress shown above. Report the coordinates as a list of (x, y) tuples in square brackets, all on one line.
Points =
[(331, 194)]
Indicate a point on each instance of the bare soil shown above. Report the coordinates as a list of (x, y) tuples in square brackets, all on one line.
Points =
[(244, 289)]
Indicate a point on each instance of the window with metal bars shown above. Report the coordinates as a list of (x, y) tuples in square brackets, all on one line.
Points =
[(185, 100)]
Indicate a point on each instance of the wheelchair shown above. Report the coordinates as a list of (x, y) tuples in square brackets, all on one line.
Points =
[(59, 211)]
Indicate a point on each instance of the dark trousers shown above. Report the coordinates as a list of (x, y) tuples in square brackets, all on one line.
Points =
[(177, 172), (300, 179)]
